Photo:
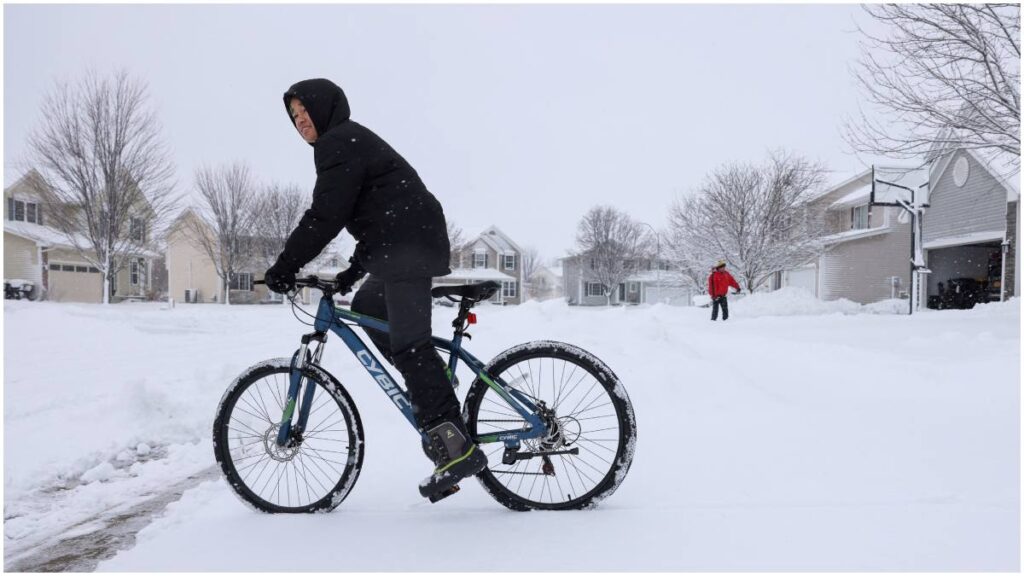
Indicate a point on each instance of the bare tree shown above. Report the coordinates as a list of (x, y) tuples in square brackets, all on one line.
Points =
[(611, 244), (278, 211), (755, 217), (689, 253), (226, 223), (457, 242), (944, 76), (530, 264), (101, 170)]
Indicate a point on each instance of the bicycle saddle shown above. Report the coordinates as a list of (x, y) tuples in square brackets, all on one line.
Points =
[(477, 292)]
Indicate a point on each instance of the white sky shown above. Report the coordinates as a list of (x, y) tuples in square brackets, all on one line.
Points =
[(518, 116)]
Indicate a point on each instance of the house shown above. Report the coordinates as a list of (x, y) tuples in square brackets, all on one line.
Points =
[(652, 282), (544, 284), (866, 255), (489, 255), (46, 256), (970, 230), (192, 276)]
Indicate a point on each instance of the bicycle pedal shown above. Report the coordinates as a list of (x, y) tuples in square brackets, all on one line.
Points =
[(443, 494)]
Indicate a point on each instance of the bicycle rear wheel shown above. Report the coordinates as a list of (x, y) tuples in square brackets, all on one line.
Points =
[(587, 409), (314, 476)]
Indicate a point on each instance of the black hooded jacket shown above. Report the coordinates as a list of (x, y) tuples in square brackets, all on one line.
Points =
[(363, 185)]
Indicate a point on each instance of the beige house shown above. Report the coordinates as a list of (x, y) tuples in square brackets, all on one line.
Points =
[(544, 284), (46, 257), (192, 276)]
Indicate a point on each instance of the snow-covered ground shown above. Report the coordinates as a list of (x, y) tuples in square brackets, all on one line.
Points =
[(799, 435)]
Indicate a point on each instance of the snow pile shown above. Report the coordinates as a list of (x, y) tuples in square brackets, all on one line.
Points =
[(788, 301)]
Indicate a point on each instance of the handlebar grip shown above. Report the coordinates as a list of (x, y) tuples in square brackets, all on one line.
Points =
[(264, 282)]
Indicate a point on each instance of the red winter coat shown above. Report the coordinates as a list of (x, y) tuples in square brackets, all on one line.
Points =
[(719, 283)]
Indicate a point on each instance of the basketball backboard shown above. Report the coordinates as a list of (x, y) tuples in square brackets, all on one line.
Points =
[(899, 186)]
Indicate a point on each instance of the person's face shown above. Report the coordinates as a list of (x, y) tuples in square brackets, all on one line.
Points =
[(303, 123)]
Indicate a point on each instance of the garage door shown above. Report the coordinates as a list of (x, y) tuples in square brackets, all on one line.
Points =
[(805, 278), (75, 283)]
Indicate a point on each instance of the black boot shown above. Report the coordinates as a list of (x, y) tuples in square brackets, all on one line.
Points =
[(455, 455)]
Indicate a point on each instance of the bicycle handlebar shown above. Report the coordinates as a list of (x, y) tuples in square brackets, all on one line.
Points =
[(311, 281)]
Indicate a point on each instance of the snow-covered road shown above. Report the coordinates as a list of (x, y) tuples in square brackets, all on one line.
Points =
[(793, 437)]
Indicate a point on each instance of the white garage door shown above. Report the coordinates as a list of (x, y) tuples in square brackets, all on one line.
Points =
[(805, 278), (75, 283)]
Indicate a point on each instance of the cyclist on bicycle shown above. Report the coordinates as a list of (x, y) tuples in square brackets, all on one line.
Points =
[(365, 186)]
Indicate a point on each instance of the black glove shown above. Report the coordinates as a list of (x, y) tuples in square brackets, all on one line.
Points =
[(279, 278), (737, 292), (348, 277)]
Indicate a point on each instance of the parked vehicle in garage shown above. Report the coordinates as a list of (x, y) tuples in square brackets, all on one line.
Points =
[(959, 294)]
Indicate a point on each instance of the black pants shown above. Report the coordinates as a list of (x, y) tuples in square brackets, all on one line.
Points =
[(724, 303), (406, 305)]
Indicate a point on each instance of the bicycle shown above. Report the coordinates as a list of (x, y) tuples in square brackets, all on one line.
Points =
[(555, 422)]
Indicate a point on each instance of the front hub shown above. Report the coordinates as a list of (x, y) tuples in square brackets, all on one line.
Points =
[(280, 453)]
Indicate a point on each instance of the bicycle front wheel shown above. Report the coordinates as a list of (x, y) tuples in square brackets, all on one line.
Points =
[(591, 427), (314, 476)]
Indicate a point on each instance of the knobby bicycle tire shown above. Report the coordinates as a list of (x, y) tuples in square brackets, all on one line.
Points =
[(238, 449), (588, 399)]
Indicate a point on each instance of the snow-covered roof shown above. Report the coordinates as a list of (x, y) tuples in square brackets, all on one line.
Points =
[(42, 235), (855, 198), (47, 237), (854, 235), (838, 181), (656, 277), (476, 274), (963, 239), (496, 240)]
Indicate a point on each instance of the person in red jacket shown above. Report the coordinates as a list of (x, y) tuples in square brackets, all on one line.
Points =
[(718, 287)]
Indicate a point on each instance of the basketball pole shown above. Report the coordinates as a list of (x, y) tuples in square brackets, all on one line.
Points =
[(917, 265)]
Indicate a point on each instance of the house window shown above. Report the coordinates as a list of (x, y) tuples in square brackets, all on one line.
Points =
[(593, 264), (241, 281), (137, 229), (136, 269), (24, 211), (510, 261), (16, 209), (633, 287), (860, 217), (480, 260), (508, 289), (67, 268), (595, 289)]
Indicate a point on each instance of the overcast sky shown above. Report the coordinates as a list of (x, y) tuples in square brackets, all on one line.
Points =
[(517, 116)]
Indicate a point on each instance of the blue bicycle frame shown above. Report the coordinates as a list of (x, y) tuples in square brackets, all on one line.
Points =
[(332, 318)]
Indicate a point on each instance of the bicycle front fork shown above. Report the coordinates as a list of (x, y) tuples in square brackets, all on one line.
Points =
[(290, 434)]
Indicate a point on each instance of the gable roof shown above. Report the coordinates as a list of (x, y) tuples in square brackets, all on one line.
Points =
[(496, 240), (997, 163)]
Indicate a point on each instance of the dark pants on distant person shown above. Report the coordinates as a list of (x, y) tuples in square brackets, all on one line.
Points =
[(406, 305), (724, 303)]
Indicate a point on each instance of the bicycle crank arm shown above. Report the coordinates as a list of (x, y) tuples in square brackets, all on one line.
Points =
[(511, 456)]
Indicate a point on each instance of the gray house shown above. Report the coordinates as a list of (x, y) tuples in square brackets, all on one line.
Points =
[(652, 282), (970, 231), (867, 248), (490, 255)]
